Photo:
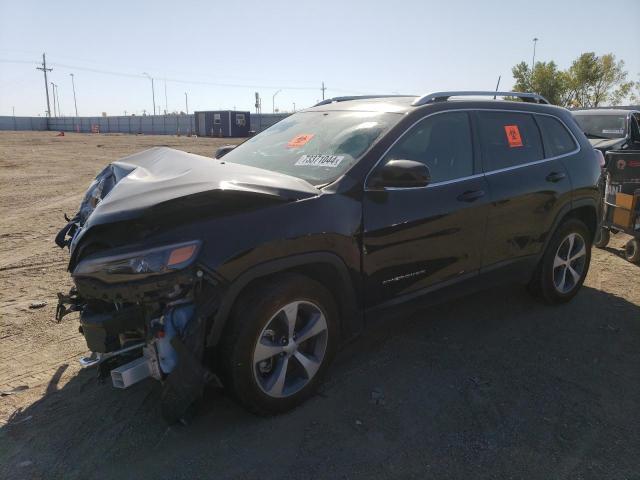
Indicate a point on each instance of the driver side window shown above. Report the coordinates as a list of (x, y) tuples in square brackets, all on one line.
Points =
[(442, 142)]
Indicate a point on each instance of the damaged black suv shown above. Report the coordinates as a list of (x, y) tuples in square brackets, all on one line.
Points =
[(254, 267)]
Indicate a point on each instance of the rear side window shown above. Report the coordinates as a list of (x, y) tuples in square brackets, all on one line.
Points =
[(442, 142), (557, 140), (508, 139)]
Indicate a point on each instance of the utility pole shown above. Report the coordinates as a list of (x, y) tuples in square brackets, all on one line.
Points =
[(166, 106), (323, 89), (53, 93), (73, 84), (533, 60), (186, 102), (46, 82), (153, 92)]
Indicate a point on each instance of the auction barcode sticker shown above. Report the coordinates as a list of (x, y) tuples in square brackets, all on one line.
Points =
[(331, 161)]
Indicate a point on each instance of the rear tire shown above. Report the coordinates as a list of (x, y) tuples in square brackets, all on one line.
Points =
[(632, 250), (280, 340), (602, 238), (564, 264)]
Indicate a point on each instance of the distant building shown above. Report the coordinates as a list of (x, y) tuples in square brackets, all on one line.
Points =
[(222, 123)]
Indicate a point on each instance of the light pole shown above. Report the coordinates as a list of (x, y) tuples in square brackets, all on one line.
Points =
[(533, 60), (53, 91), (58, 100), (153, 91), (73, 84), (273, 101), (166, 107), (186, 102)]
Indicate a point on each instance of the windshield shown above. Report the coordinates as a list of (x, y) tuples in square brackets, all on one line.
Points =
[(602, 126), (315, 146)]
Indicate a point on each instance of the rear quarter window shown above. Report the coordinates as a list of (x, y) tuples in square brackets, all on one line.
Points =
[(557, 139), (508, 139)]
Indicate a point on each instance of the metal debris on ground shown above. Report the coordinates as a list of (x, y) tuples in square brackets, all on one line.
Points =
[(13, 391)]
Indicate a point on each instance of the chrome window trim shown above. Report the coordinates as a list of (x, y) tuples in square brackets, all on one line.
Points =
[(435, 184), (491, 172)]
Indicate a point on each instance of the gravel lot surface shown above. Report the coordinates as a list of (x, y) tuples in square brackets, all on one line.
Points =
[(490, 386)]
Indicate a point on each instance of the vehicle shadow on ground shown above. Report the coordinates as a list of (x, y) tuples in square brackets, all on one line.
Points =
[(493, 385), (619, 252)]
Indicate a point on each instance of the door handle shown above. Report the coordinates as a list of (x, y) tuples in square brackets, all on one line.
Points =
[(470, 195), (554, 177)]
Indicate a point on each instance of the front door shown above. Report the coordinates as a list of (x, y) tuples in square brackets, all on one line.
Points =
[(417, 238)]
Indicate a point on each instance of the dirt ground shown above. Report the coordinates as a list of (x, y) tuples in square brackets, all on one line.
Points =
[(491, 386)]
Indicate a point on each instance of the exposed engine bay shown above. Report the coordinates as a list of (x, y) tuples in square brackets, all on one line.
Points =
[(144, 298)]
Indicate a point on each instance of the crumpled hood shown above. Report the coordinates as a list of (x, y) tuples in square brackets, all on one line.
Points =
[(170, 187), (161, 174), (605, 144)]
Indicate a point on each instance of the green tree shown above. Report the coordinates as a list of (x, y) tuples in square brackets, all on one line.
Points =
[(594, 81), (546, 80), (591, 81), (634, 97)]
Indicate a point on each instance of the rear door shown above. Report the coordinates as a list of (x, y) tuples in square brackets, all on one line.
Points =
[(528, 185), (415, 238)]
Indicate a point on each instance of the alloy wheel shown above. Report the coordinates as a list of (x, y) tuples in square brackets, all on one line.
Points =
[(569, 263), (290, 349)]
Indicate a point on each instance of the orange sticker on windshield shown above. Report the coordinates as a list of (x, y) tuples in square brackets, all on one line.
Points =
[(513, 135), (299, 140)]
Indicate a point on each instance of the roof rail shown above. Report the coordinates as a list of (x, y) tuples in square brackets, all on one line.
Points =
[(356, 97), (444, 96)]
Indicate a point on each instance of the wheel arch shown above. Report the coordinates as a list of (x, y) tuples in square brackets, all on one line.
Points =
[(587, 212), (584, 209), (324, 267)]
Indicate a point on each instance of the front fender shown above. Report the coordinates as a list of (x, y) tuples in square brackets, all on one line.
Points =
[(352, 317)]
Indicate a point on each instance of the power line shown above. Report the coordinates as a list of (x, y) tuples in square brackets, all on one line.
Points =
[(191, 82)]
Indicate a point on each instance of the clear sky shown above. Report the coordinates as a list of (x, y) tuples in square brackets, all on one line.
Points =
[(221, 52)]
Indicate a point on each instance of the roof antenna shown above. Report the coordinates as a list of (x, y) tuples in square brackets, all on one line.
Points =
[(497, 85)]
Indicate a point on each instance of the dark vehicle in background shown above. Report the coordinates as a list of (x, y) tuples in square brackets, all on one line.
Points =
[(255, 267), (610, 128), (616, 133)]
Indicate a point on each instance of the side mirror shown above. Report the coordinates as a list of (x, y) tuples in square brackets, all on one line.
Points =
[(222, 151), (401, 174)]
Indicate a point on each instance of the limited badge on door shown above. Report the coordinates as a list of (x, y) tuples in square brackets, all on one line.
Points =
[(513, 135)]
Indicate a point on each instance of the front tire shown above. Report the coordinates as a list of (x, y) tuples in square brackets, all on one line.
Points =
[(281, 339), (565, 263)]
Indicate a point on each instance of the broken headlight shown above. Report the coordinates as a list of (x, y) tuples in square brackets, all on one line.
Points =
[(138, 265)]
